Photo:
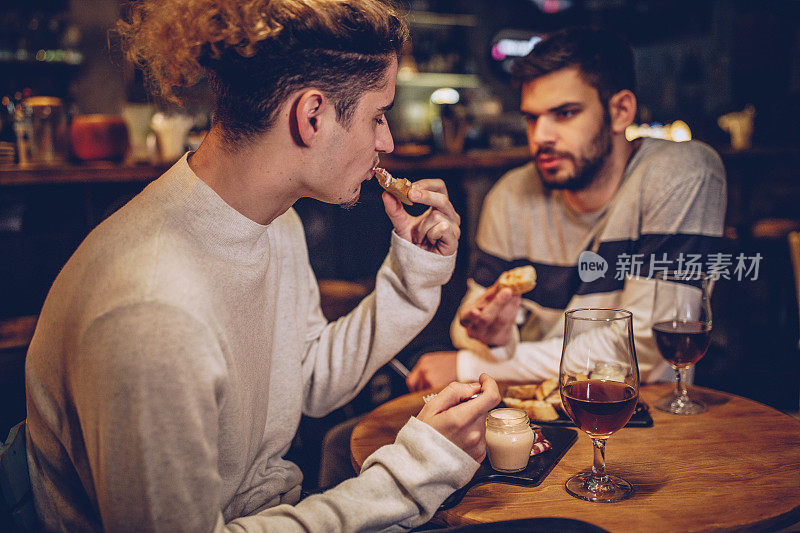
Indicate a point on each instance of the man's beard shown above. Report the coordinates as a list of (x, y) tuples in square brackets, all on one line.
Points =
[(586, 167), (349, 204)]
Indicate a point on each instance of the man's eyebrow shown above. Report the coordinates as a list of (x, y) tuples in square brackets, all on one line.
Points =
[(556, 109), (387, 107), (564, 106)]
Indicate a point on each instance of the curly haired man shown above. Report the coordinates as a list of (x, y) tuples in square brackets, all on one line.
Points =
[(180, 344)]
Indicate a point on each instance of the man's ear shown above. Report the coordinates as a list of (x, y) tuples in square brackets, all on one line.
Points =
[(622, 110), (308, 111)]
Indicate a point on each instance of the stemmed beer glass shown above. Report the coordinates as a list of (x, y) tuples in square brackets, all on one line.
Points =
[(599, 383), (682, 331)]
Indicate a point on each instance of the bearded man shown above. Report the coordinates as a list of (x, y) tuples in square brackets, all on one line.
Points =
[(589, 198)]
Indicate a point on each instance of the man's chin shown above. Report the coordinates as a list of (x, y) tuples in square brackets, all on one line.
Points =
[(349, 204), (554, 178), (561, 182)]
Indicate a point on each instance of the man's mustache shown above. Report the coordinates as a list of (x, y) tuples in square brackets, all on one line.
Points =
[(551, 153)]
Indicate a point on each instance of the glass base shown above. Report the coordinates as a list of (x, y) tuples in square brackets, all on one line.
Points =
[(606, 489), (680, 406)]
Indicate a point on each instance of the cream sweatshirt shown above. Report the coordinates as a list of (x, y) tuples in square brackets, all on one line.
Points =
[(175, 354)]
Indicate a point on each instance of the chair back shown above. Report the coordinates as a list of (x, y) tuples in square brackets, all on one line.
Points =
[(15, 482), (794, 251)]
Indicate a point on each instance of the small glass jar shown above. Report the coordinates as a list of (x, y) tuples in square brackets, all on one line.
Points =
[(509, 439)]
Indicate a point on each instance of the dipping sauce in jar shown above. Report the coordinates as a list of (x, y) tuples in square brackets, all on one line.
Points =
[(509, 439)]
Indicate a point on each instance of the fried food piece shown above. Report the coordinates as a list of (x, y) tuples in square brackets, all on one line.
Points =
[(555, 401), (536, 409), (546, 388), (523, 392), (520, 280), (397, 187)]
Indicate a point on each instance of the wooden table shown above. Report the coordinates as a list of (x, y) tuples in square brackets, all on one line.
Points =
[(734, 467)]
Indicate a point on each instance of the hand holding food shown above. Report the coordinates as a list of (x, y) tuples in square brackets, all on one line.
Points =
[(488, 320), (463, 422), (437, 229)]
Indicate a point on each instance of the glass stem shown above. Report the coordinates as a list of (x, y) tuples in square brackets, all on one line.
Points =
[(599, 466), (680, 387)]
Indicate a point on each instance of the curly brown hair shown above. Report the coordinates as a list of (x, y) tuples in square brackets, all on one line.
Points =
[(255, 53)]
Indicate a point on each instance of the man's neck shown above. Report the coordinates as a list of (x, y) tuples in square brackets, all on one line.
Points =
[(251, 180), (609, 177)]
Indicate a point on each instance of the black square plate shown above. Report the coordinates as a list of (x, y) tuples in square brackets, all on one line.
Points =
[(641, 419), (561, 440)]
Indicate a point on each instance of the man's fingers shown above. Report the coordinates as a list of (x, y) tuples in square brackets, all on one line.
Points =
[(454, 394), (444, 236), (415, 380), (425, 222), (498, 313), (437, 200), (487, 296), (429, 184), (486, 311), (509, 312), (473, 311), (477, 408), (495, 306), (489, 385), (395, 211)]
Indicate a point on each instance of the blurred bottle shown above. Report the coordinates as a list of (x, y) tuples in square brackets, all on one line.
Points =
[(8, 144), (41, 130)]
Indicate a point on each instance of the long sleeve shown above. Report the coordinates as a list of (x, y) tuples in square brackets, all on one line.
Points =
[(400, 486), (147, 385), (151, 382), (342, 356)]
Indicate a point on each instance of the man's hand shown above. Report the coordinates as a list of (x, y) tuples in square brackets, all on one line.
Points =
[(491, 317), (437, 229), (433, 371), (464, 424)]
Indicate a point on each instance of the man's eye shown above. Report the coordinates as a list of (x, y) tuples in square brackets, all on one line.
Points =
[(567, 113), (380, 120)]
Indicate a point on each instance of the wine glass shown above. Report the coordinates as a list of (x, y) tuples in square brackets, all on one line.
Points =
[(599, 384), (682, 331)]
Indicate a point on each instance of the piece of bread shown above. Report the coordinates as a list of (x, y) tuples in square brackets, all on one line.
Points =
[(555, 401), (546, 388), (520, 280), (397, 187), (523, 392), (536, 409)]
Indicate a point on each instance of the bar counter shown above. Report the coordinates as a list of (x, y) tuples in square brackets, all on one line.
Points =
[(103, 172)]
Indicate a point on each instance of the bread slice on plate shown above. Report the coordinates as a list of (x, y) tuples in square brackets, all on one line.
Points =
[(536, 409), (522, 392)]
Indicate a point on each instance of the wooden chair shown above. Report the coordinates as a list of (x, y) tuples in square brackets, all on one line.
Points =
[(794, 252), (338, 297), (15, 482), (15, 336), (774, 228)]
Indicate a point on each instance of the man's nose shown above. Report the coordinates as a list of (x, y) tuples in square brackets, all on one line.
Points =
[(383, 140), (542, 132)]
